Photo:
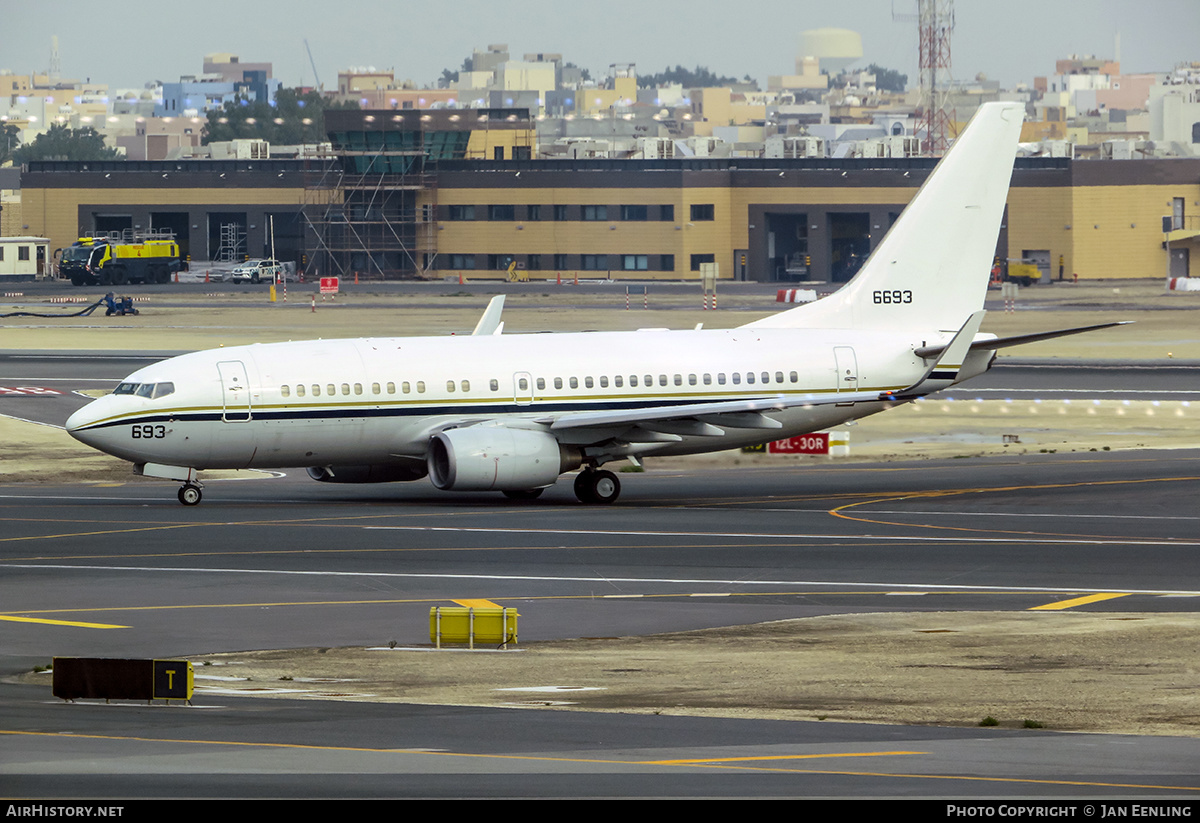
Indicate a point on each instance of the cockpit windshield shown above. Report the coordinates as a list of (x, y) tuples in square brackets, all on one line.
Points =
[(151, 391)]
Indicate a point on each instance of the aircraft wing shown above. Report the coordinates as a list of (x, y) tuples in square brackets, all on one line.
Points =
[(738, 414)]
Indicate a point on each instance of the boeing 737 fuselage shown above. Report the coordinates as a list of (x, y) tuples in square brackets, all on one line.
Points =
[(512, 413)]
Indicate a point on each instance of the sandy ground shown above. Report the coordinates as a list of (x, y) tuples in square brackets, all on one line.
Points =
[(1117, 673), (1070, 671), (1165, 321)]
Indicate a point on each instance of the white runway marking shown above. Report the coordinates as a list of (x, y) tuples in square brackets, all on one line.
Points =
[(888, 588), (71, 379), (35, 422), (1085, 541)]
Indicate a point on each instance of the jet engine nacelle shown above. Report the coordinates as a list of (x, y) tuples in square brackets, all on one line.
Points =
[(493, 457), (366, 474)]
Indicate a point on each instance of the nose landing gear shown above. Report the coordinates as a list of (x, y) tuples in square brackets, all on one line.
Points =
[(190, 494)]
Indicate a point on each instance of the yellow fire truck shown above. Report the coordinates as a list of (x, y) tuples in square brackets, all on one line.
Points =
[(115, 260)]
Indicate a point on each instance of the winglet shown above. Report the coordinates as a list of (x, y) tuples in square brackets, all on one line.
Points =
[(490, 322), (944, 371)]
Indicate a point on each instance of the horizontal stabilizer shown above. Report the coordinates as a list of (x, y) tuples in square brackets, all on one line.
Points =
[(994, 343)]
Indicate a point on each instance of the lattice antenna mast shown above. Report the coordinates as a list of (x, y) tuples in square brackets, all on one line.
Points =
[(935, 24)]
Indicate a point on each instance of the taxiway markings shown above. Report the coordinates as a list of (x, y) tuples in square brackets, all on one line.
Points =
[(716, 763)]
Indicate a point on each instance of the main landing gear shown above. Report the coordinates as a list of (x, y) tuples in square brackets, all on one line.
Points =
[(597, 486), (189, 494)]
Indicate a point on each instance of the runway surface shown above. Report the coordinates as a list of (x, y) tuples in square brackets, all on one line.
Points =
[(126, 571), (121, 570)]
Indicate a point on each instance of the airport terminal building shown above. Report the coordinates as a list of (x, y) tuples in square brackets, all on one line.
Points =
[(432, 194)]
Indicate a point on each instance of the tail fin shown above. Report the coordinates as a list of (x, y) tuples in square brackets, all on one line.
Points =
[(931, 269)]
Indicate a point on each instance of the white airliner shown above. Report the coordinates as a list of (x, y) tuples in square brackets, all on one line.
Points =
[(511, 413)]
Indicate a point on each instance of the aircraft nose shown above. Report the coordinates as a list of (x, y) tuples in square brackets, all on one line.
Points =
[(78, 422)]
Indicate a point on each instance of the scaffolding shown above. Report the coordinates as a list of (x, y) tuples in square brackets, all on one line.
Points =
[(232, 243), (371, 208), (377, 222)]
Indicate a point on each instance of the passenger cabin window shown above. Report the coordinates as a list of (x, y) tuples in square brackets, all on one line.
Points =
[(420, 387), (494, 384), (285, 391), (558, 383), (391, 387), (299, 389), (450, 386), (316, 390)]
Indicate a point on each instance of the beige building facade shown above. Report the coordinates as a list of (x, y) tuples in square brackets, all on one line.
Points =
[(440, 197)]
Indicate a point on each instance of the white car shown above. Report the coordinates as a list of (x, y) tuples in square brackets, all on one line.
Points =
[(256, 271)]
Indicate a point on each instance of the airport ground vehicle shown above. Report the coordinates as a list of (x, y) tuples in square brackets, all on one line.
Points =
[(257, 271), (115, 259)]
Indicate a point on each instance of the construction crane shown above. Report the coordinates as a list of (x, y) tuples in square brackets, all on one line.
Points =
[(313, 63)]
